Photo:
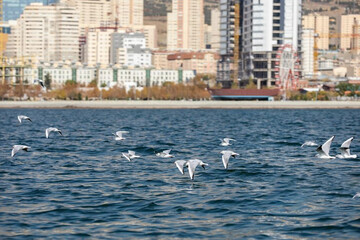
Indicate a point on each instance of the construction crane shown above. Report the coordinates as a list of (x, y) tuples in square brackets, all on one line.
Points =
[(352, 36), (236, 43)]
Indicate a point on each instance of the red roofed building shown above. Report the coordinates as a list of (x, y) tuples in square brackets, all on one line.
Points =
[(201, 62)]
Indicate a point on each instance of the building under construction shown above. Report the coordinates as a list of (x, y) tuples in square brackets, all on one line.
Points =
[(251, 32)]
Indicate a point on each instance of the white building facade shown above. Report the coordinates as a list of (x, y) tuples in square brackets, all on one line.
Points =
[(47, 33)]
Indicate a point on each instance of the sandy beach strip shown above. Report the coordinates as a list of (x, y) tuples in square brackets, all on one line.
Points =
[(155, 104)]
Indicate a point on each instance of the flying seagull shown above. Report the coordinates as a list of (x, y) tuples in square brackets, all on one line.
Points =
[(226, 141), (130, 155), (41, 82), (226, 154), (165, 154), (345, 149), (118, 135), (192, 164), (356, 195), (323, 150), (51, 129), (309, 143), (17, 148), (23, 117), (180, 165)]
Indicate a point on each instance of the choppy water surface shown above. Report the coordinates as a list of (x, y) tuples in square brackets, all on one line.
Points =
[(77, 186)]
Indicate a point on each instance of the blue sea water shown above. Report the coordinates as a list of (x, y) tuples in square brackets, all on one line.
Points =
[(78, 186)]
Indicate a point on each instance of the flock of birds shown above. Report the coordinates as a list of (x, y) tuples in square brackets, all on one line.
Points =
[(180, 164), (323, 151)]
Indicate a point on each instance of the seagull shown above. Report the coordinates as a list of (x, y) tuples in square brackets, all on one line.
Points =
[(41, 82), (130, 155), (345, 149), (309, 143), (226, 156), (165, 154), (51, 129), (180, 165), (17, 148), (23, 117), (118, 135), (356, 195), (192, 164), (323, 150), (226, 141)]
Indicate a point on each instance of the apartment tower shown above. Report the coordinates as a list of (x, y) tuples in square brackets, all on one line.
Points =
[(128, 12), (185, 25), (250, 49), (320, 25), (48, 33)]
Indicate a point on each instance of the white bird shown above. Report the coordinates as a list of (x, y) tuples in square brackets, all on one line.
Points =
[(309, 143), (118, 135), (226, 154), (180, 165), (323, 150), (356, 195), (17, 148), (130, 155), (23, 117), (192, 164), (226, 141), (41, 83), (345, 149), (165, 154), (52, 129)]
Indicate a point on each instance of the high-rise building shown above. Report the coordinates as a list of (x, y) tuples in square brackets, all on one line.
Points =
[(93, 13), (355, 40), (12, 9), (307, 47), (215, 29), (128, 12), (185, 26), (97, 47), (251, 32), (347, 24), (320, 25), (48, 33)]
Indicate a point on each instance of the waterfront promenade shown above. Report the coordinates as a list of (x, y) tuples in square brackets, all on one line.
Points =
[(156, 104)]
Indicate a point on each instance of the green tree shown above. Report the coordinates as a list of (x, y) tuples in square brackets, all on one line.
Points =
[(48, 81)]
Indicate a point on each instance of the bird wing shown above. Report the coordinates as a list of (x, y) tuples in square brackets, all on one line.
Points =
[(126, 156), (15, 149), (47, 131), (225, 159), (120, 133), (345, 151), (19, 118), (192, 164), (180, 165), (59, 132), (131, 153), (347, 143), (41, 83), (167, 151), (325, 148)]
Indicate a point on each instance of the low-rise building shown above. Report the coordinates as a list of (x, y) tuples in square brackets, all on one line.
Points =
[(201, 62)]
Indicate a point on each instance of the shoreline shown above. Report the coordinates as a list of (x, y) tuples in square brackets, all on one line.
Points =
[(164, 104)]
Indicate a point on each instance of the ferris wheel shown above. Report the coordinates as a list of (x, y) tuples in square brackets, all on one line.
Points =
[(286, 68)]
